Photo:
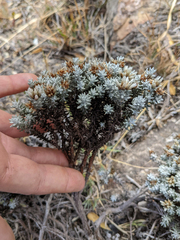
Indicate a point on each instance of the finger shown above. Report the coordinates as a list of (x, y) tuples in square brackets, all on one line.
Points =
[(5, 230), (5, 126), (13, 84), (38, 154), (4, 158), (27, 177)]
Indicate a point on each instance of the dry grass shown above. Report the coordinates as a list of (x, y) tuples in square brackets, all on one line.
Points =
[(64, 29), (39, 35)]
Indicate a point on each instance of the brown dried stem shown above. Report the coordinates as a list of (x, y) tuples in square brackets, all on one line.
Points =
[(84, 160)]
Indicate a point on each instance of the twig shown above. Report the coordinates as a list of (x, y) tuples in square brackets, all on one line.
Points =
[(120, 208), (131, 219), (105, 43), (72, 202), (169, 115), (56, 232), (48, 202), (146, 210), (159, 114), (133, 181), (81, 213), (77, 204), (118, 227), (61, 226), (150, 232), (168, 232)]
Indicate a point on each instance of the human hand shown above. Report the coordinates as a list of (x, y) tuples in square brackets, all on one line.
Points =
[(30, 170)]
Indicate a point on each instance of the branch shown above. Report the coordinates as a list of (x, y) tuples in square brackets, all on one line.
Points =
[(119, 209), (48, 202)]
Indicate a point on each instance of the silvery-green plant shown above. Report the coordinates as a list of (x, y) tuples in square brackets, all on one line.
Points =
[(167, 183), (80, 107), (9, 200)]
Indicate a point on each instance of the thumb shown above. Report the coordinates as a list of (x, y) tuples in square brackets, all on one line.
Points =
[(4, 159), (5, 230)]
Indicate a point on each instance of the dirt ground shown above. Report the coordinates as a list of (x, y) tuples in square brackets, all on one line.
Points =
[(40, 35), (138, 153)]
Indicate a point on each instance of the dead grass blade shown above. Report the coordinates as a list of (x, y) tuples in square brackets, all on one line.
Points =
[(30, 50), (31, 23), (168, 21)]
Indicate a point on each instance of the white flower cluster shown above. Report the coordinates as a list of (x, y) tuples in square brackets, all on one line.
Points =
[(168, 185)]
